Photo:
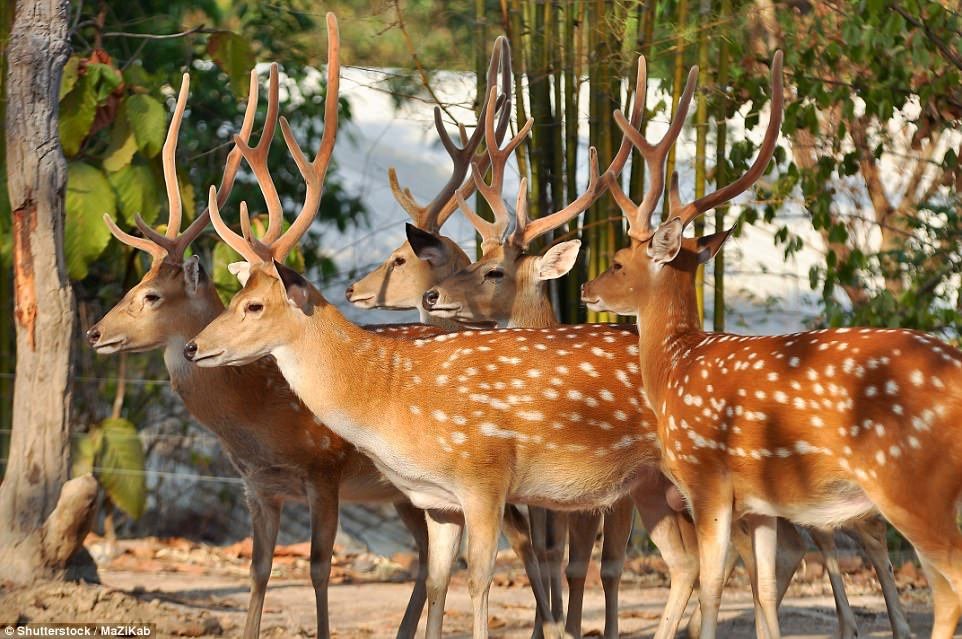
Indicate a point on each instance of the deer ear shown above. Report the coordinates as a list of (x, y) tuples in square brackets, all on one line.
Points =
[(709, 245), (557, 260), (427, 246), (194, 275), (240, 270), (295, 286), (666, 242)]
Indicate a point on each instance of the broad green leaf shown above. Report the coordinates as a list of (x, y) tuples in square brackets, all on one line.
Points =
[(224, 281), (121, 468), (77, 110), (70, 75), (85, 452), (122, 146), (89, 196), (137, 191), (146, 118), (187, 196), (234, 56)]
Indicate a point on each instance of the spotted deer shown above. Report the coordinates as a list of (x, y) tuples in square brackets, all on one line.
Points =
[(818, 427), (280, 450)]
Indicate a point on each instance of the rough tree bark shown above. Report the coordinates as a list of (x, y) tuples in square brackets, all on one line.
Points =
[(43, 517)]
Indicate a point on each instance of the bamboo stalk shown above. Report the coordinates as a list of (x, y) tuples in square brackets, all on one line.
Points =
[(570, 303), (677, 80), (480, 73), (636, 183), (721, 166), (701, 143)]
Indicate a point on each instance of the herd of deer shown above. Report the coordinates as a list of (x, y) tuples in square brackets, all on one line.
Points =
[(720, 441)]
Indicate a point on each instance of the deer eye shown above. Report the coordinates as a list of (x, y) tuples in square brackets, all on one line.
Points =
[(616, 266), (254, 307), (494, 274), (399, 261), (150, 298)]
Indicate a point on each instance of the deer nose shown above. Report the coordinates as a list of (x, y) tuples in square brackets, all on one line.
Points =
[(93, 335), (349, 293), (190, 350), (430, 299)]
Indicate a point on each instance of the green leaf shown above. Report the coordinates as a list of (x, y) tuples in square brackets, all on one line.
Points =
[(122, 467), (234, 56), (85, 452), (77, 110), (137, 191), (103, 78), (122, 146), (70, 75), (224, 281), (89, 196), (146, 118)]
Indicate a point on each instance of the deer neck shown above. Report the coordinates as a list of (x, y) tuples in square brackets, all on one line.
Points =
[(448, 326), (533, 309), (668, 324), (205, 309)]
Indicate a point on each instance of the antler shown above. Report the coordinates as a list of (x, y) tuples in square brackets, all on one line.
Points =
[(688, 212), (433, 216), (526, 229), (171, 246), (639, 217), (275, 245)]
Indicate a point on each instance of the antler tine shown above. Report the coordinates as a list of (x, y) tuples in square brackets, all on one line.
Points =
[(433, 215), (232, 239), (314, 172), (155, 250), (639, 217), (690, 211), (257, 158), (227, 180), (168, 160), (492, 233), (527, 229)]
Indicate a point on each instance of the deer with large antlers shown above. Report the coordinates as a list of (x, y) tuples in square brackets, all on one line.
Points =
[(820, 428), (280, 450)]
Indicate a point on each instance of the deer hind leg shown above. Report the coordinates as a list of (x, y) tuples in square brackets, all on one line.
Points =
[(871, 534), (764, 534), (444, 541), (825, 540), (413, 519), (945, 601), (674, 536), (265, 519), (483, 520), (520, 538), (613, 550), (713, 524), (322, 499), (539, 541), (556, 537), (583, 528)]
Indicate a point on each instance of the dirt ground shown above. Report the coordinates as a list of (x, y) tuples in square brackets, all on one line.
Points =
[(190, 589)]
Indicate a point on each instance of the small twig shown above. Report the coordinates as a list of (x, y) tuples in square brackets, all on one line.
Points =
[(417, 61), (158, 36)]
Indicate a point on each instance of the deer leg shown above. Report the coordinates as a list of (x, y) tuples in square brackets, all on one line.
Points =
[(483, 521), (265, 519), (539, 541), (613, 550), (743, 545), (944, 599), (444, 541), (674, 536), (556, 537), (518, 534), (413, 519), (871, 534), (764, 531), (713, 524), (583, 528), (825, 540), (731, 558), (322, 499)]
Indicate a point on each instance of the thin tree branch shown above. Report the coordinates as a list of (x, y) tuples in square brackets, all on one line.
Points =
[(159, 36)]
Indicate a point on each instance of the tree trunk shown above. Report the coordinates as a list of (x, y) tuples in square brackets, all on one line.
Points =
[(40, 526), (721, 166), (6, 271)]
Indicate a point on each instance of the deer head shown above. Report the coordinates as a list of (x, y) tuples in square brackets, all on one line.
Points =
[(400, 281), (661, 257), (507, 282), (175, 296), (273, 295)]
